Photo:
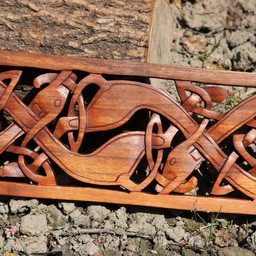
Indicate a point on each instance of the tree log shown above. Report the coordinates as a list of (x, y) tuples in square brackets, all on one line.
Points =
[(110, 29)]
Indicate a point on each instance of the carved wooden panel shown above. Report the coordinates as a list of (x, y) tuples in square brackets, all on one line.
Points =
[(81, 133)]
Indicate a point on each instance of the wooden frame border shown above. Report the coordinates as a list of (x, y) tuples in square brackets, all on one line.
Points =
[(97, 67)]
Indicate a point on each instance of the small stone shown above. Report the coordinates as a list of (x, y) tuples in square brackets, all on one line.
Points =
[(239, 37), (21, 206), (112, 242), (189, 252), (95, 224), (123, 241), (91, 248), (244, 56), (111, 253), (247, 6), (142, 223), (197, 243), (180, 222), (226, 237), (142, 227), (2, 240), (99, 253), (75, 214), (234, 251), (121, 218), (67, 207), (98, 213), (34, 224), (160, 240), (35, 244), (131, 248), (159, 222), (3, 208), (85, 239), (55, 217), (252, 238), (242, 233), (176, 234), (109, 225), (57, 235), (82, 221)]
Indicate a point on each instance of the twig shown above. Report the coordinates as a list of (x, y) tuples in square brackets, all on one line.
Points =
[(106, 231)]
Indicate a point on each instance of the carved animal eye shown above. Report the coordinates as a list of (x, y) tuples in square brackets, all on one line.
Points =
[(172, 161), (57, 103)]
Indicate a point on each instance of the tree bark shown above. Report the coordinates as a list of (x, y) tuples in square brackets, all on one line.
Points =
[(110, 29)]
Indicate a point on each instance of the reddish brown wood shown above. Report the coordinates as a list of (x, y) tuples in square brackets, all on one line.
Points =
[(76, 137)]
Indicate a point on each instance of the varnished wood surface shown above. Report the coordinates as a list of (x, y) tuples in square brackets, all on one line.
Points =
[(178, 202), (114, 67), (75, 136)]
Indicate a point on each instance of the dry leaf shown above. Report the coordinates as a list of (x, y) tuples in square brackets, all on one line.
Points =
[(9, 254), (194, 44), (177, 3)]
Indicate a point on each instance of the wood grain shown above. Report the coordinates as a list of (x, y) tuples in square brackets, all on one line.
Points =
[(81, 136), (127, 68)]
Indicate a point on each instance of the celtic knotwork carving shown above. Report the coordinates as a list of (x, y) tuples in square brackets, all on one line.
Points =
[(94, 133), (206, 95)]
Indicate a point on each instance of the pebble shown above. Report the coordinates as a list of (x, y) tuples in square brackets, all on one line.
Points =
[(34, 224), (176, 234), (234, 251)]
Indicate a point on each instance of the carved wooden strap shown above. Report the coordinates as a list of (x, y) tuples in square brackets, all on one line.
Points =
[(80, 134)]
